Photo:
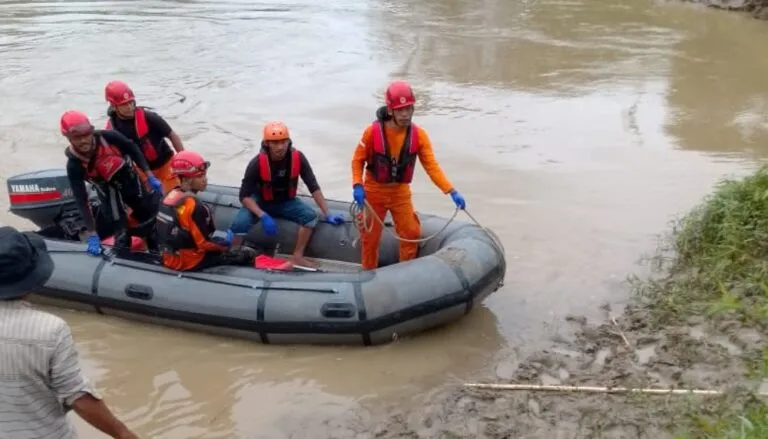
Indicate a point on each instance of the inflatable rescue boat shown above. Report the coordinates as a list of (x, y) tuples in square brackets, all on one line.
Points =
[(337, 304)]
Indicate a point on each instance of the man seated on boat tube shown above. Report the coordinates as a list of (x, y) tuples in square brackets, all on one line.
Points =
[(108, 160), (387, 152), (185, 224), (269, 189), (146, 128)]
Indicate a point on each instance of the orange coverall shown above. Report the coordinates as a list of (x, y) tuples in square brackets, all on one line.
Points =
[(393, 197), (188, 258)]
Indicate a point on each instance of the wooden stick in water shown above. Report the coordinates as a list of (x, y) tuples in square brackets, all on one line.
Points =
[(591, 389)]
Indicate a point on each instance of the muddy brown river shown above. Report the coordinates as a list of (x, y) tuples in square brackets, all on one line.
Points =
[(575, 129)]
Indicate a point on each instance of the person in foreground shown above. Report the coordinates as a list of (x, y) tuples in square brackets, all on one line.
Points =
[(108, 161), (145, 128), (40, 374), (269, 189), (387, 152), (185, 225)]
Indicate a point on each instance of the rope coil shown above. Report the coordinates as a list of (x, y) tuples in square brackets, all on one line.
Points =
[(364, 218)]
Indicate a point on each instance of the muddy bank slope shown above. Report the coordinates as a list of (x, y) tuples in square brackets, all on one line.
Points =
[(758, 8), (699, 322)]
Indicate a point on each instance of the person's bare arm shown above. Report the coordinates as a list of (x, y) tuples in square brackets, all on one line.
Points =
[(74, 390), (96, 413), (178, 145)]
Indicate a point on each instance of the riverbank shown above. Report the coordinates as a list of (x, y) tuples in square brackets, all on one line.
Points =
[(757, 8), (699, 321)]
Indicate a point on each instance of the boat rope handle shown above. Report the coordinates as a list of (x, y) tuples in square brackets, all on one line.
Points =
[(364, 218)]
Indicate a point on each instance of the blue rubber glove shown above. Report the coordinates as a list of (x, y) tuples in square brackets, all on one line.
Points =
[(268, 224), (226, 241), (155, 184), (458, 199), (359, 195), (94, 245), (335, 219)]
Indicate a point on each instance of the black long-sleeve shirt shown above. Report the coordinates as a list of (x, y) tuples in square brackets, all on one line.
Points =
[(76, 172), (281, 177), (159, 129)]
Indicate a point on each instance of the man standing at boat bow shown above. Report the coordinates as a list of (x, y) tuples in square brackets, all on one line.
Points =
[(387, 152)]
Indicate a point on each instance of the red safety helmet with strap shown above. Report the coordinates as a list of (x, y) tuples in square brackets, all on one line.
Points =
[(399, 95), (189, 164), (118, 93), (76, 123)]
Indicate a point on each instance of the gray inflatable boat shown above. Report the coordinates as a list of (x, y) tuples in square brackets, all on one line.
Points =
[(454, 271)]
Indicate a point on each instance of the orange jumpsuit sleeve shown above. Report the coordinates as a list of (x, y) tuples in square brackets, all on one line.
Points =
[(430, 164), (186, 212), (360, 156)]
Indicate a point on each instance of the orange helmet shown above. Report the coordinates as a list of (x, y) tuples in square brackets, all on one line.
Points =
[(118, 93), (275, 131), (189, 164), (399, 94)]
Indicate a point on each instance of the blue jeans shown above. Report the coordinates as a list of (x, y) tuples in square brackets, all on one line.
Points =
[(293, 210)]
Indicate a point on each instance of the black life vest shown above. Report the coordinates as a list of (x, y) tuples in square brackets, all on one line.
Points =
[(171, 236)]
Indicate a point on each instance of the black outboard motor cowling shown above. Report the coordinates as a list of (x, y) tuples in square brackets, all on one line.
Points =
[(45, 198)]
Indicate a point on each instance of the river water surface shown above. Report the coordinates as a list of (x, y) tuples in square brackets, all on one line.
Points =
[(575, 129)]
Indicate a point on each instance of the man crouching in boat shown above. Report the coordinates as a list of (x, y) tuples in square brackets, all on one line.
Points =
[(146, 128), (185, 225), (108, 160), (269, 188)]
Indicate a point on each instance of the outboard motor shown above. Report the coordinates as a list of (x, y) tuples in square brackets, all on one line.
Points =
[(45, 198)]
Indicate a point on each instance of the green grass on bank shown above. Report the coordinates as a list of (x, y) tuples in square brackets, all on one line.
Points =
[(715, 264), (715, 259), (721, 422)]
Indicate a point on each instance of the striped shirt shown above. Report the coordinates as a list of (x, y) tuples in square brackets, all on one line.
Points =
[(40, 374)]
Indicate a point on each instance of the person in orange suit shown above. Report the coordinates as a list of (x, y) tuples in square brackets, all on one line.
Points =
[(382, 171), (185, 225)]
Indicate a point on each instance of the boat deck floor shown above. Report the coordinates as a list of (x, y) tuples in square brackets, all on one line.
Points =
[(330, 264)]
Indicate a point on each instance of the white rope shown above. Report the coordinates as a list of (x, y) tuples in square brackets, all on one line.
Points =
[(364, 221)]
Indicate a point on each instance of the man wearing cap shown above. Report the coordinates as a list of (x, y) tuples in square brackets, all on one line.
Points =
[(40, 374)]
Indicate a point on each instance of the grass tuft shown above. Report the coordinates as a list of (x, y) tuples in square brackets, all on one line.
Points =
[(714, 264), (715, 258)]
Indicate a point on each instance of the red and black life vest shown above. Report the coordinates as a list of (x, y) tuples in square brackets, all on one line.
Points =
[(171, 236), (383, 167), (142, 133), (265, 175), (105, 162)]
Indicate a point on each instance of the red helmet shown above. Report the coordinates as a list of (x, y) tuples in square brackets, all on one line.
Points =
[(75, 122), (118, 93), (189, 164), (399, 95)]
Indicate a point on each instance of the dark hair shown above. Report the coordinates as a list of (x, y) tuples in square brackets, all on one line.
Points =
[(382, 115)]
